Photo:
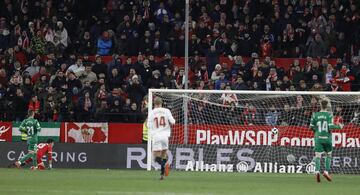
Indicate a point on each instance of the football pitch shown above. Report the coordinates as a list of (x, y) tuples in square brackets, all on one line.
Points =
[(128, 182)]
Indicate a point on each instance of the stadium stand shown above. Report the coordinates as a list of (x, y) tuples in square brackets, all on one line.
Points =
[(68, 64)]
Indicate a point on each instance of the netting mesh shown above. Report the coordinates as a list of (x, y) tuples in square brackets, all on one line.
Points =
[(258, 129)]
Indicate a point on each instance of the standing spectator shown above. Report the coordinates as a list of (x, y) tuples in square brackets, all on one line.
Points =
[(155, 81), (62, 34), (86, 107), (51, 111), (168, 80), (272, 116), (134, 116), (34, 105), (38, 43), (115, 111), (86, 44), (287, 117), (104, 44), (19, 107), (135, 90), (344, 79), (229, 98), (317, 47), (250, 116), (65, 110)]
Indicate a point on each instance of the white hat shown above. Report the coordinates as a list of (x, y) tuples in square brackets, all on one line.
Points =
[(135, 77), (217, 66)]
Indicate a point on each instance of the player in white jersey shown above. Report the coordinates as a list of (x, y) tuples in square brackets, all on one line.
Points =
[(159, 121)]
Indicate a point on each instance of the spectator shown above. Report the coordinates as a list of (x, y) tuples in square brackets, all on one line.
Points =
[(287, 116), (104, 44), (317, 47), (19, 106), (50, 109), (272, 116), (87, 75), (344, 78), (76, 68), (99, 67), (65, 109), (114, 79), (86, 107), (220, 81), (215, 75), (62, 34), (86, 44), (134, 114), (58, 81), (135, 90), (228, 98), (73, 83), (34, 104), (250, 116)]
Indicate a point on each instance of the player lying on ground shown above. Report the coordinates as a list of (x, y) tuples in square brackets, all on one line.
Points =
[(159, 121), (322, 124), (43, 149), (32, 128)]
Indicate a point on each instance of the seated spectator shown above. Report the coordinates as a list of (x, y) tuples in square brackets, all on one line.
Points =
[(86, 75), (76, 68), (220, 81), (215, 75), (99, 66)]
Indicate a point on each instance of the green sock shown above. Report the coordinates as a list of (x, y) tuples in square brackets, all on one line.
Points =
[(24, 158), (327, 163), (317, 164), (35, 164)]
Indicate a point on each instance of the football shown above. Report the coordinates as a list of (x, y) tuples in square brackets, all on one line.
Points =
[(274, 131)]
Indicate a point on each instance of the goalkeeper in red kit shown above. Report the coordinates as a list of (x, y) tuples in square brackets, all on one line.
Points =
[(42, 150)]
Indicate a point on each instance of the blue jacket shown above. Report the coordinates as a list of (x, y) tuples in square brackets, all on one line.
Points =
[(104, 46)]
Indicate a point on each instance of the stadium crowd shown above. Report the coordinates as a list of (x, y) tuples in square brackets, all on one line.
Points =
[(51, 52)]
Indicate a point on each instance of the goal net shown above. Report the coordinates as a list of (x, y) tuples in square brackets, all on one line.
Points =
[(256, 131)]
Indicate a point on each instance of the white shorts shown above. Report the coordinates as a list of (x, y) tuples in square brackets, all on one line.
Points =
[(159, 144)]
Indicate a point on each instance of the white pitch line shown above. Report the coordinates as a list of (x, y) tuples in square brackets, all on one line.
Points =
[(95, 192)]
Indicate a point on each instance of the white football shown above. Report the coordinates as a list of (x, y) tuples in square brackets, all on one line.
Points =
[(274, 131)]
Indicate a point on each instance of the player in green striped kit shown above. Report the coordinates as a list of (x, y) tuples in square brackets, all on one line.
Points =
[(32, 128), (322, 124)]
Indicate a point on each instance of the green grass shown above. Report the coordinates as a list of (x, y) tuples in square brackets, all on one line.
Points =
[(128, 182)]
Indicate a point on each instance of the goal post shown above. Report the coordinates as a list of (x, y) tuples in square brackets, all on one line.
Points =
[(255, 131)]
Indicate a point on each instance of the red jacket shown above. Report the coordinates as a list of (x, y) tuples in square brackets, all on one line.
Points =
[(344, 82), (34, 105)]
